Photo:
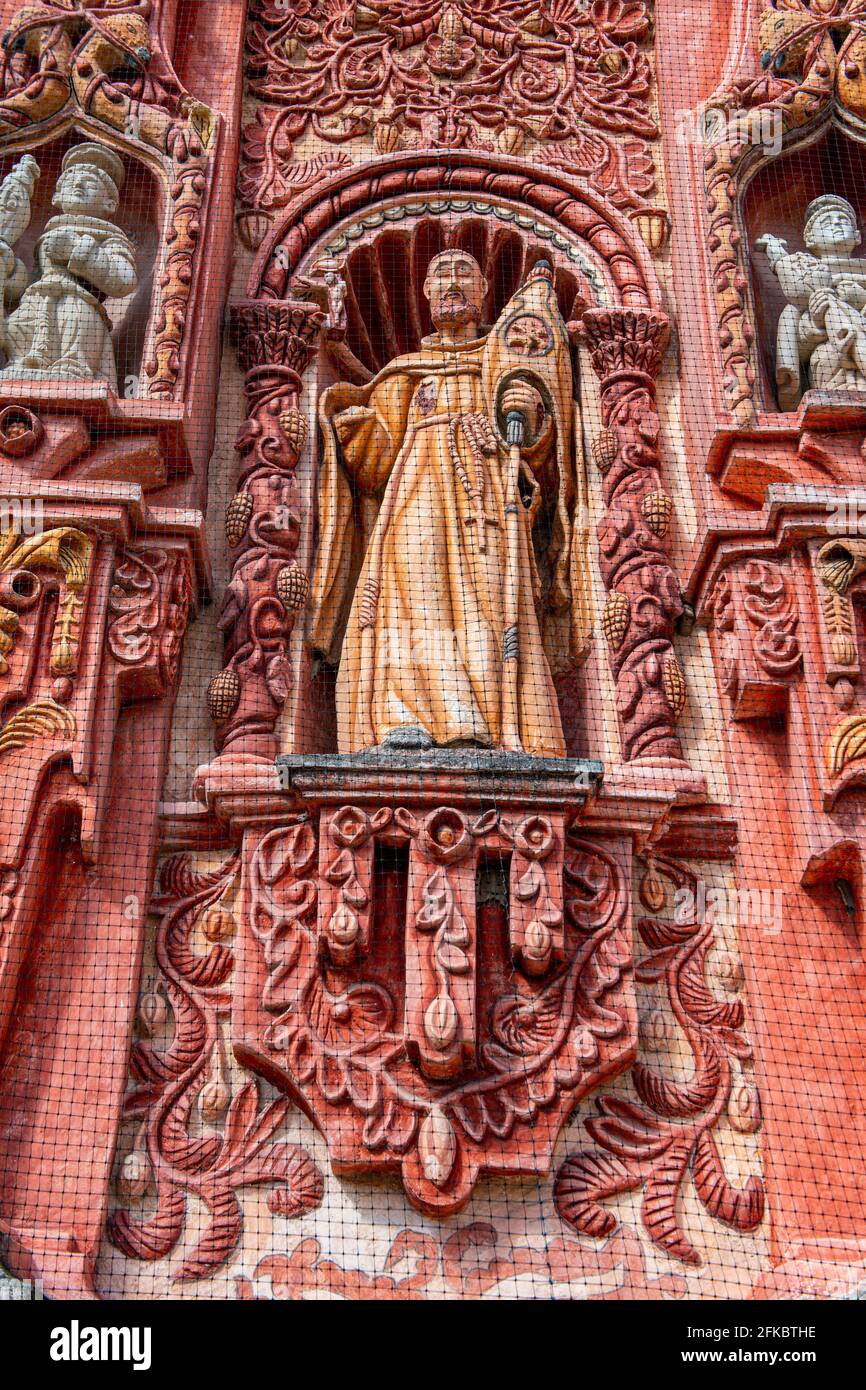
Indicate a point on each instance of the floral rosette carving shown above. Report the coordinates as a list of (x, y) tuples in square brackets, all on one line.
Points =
[(179, 1085), (565, 76), (653, 1144), (333, 1033)]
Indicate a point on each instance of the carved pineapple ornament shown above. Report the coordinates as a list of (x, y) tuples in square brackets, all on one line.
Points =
[(223, 696)]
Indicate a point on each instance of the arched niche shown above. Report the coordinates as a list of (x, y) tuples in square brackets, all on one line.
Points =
[(140, 214), (508, 223), (775, 200)]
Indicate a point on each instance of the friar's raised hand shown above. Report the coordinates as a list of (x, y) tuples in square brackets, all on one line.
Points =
[(519, 398)]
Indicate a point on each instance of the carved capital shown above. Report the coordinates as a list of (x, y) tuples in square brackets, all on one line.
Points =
[(271, 334), (625, 342)]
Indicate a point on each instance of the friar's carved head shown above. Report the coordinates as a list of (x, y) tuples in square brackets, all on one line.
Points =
[(455, 288)]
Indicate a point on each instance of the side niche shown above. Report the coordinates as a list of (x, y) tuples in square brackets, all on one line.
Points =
[(138, 222), (805, 223)]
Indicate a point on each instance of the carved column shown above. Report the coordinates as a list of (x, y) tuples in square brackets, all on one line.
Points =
[(627, 347), (268, 588)]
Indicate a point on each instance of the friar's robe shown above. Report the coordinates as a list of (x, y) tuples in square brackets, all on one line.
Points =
[(423, 642)]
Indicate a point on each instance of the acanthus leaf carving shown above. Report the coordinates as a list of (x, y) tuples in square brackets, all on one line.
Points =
[(652, 1145)]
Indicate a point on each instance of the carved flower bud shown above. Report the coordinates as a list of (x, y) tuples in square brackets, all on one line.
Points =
[(294, 427), (536, 23), (440, 1022), (675, 686), (843, 694), (218, 924), (655, 1032), (214, 1099), (133, 1180), (611, 62), (386, 135), (292, 46), (615, 619), (653, 889), (238, 513), (653, 225), (344, 926), (437, 1147), (511, 138), (604, 451), (152, 1013), (728, 970), (293, 587), (537, 948), (744, 1109), (450, 26), (657, 510), (223, 695)]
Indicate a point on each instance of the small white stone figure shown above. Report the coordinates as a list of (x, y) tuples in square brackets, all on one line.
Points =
[(823, 326), (16, 193), (61, 328)]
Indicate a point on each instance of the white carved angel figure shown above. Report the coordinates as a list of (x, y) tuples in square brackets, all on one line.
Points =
[(61, 327), (823, 326)]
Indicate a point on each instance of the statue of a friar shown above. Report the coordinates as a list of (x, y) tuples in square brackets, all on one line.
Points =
[(450, 578)]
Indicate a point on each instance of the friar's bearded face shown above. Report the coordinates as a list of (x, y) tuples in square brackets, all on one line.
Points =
[(455, 288)]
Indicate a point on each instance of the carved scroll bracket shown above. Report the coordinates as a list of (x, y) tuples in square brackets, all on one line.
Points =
[(626, 348), (268, 588), (756, 619)]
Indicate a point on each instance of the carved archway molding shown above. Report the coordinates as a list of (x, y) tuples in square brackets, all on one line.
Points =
[(569, 202)]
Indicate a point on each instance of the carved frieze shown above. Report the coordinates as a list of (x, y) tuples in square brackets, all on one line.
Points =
[(571, 84)]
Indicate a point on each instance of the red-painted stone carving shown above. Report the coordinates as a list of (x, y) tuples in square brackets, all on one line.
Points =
[(172, 1082), (652, 1145), (378, 1002), (643, 594)]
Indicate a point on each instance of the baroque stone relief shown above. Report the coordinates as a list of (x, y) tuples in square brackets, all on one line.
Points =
[(60, 328), (569, 83)]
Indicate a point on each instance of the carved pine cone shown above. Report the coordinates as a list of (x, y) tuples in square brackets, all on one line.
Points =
[(293, 587), (294, 427), (223, 696), (615, 619), (238, 513), (604, 451), (675, 686), (657, 510)]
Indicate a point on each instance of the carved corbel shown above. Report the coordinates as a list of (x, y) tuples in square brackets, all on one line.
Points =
[(268, 588), (754, 613), (838, 564), (626, 348)]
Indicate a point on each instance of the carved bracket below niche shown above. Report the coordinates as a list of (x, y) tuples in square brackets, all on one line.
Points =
[(440, 977)]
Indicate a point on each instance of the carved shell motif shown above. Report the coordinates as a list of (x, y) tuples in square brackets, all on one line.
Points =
[(675, 686), (223, 696), (293, 587), (657, 509), (615, 619), (238, 513)]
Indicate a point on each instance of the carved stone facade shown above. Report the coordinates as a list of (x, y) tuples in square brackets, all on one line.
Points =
[(470, 638)]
